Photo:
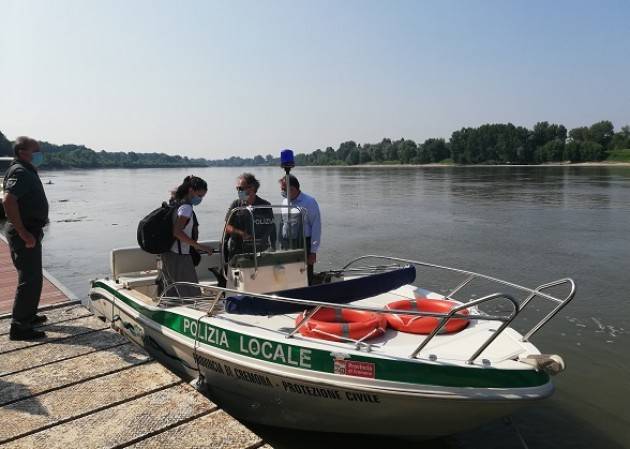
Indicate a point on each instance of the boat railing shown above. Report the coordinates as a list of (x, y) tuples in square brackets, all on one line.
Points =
[(172, 297), (471, 276), (208, 303), (301, 212), (506, 322)]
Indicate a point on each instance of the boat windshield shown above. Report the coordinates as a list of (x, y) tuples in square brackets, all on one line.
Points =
[(257, 231)]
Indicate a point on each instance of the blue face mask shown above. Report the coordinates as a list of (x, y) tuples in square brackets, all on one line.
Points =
[(242, 195), (195, 200), (283, 193), (38, 158)]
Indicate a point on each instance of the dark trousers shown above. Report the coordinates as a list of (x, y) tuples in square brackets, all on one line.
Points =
[(310, 268), (310, 271), (28, 263)]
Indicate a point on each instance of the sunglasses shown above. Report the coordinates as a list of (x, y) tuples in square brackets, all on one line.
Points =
[(241, 189)]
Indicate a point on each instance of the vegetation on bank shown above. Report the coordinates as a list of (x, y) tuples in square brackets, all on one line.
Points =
[(79, 156), (487, 144), (619, 155)]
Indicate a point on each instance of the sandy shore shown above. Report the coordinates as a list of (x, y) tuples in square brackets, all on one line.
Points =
[(600, 164)]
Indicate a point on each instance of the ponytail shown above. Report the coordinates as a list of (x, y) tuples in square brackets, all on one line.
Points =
[(191, 181)]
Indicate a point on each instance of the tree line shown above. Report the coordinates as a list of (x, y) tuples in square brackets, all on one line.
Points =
[(79, 156), (487, 144)]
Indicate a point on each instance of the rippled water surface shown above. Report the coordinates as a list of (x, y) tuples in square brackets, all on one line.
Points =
[(529, 225)]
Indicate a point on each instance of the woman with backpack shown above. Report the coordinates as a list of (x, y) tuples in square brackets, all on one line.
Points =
[(177, 264)]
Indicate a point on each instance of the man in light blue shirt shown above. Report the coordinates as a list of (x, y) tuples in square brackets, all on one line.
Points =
[(312, 219)]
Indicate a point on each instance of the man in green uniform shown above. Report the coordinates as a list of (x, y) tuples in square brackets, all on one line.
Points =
[(26, 208), (239, 226)]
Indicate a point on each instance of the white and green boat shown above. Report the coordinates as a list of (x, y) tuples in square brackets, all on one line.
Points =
[(260, 361)]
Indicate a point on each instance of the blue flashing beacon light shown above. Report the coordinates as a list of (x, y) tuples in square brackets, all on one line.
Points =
[(287, 161)]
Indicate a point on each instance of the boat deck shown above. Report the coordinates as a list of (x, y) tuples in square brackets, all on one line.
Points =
[(86, 386)]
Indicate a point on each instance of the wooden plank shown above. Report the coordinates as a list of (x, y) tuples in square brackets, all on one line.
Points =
[(54, 332), (54, 297), (218, 430), (57, 315), (54, 351), (59, 374), (8, 280), (128, 422), (29, 415)]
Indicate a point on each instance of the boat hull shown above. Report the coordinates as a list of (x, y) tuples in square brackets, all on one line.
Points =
[(257, 391), (263, 398)]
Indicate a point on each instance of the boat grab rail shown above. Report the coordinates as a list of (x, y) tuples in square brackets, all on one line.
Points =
[(471, 275), (484, 345), (172, 301), (250, 210), (165, 301)]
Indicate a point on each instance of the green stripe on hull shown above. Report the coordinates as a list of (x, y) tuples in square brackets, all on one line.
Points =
[(322, 361)]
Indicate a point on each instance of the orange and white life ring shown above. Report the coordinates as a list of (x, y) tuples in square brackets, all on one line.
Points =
[(331, 324), (416, 324)]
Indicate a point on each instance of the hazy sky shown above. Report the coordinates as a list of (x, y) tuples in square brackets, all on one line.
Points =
[(216, 79)]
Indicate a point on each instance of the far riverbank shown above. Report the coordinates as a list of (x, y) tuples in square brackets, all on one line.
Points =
[(559, 164), (566, 164)]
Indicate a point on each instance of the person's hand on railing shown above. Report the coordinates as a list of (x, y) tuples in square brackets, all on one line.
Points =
[(204, 249)]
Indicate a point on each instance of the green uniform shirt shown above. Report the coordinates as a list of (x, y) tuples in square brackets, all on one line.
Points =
[(263, 225), (22, 181)]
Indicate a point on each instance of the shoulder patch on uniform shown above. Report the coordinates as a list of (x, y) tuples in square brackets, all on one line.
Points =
[(10, 183)]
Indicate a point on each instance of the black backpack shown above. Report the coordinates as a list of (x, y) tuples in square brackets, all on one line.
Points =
[(155, 231)]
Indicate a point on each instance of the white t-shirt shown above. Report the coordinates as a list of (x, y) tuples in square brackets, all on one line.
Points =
[(185, 210)]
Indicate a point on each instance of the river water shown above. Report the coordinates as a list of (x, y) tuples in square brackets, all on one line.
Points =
[(529, 225)]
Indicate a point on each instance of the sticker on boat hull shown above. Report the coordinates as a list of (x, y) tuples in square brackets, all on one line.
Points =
[(354, 368)]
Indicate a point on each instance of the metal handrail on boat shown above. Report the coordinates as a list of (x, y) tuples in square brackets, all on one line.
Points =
[(170, 301), (471, 275), (167, 301), (174, 301), (195, 302), (506, 323), (250, 210), (553, 313)]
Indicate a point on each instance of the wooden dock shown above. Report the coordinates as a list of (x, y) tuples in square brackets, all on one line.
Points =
[(86, 386), (52, 292)]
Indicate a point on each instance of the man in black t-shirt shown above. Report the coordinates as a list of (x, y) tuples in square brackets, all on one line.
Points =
[(239, 225), (26, 208)]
